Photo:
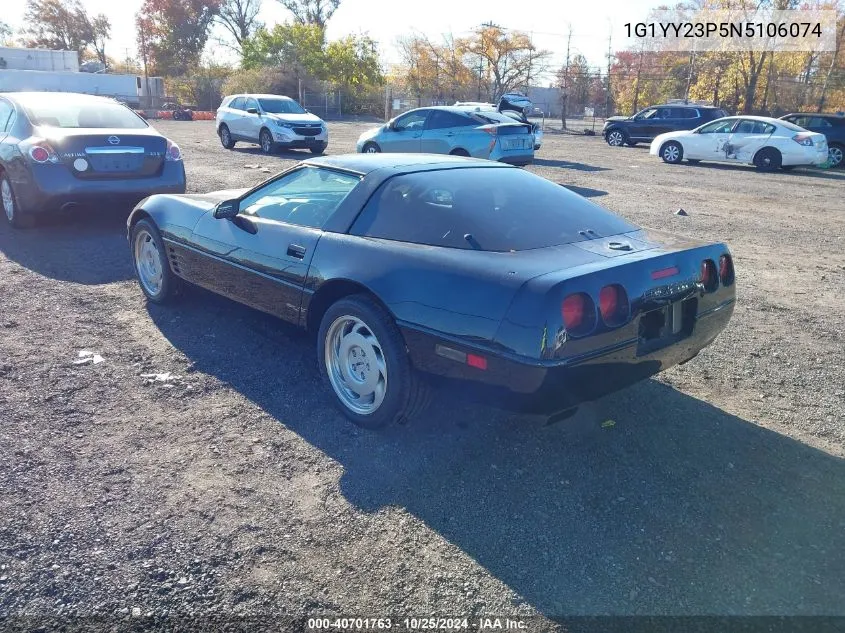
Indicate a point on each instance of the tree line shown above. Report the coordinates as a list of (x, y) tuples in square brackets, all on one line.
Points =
[(296, 56)]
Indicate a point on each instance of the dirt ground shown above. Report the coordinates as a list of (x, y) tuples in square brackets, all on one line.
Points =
[(233, 488)]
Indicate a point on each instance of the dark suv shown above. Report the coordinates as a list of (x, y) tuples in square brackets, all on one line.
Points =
[(831, 125), (655, 120)]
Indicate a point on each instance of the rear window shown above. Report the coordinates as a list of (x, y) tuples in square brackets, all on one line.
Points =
[(489, 209), (75, 113)]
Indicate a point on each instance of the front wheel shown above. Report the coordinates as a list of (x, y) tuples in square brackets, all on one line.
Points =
[(265, 140), (318, 149), (767, 159), (226, 137), (14, 215), (370, 148), (616, 138), (362, 358), (157, 281), (672, 152)]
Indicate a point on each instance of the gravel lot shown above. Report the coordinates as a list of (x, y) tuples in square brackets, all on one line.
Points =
[(234, 487)]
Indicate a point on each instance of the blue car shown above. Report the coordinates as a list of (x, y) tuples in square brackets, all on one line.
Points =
[(62, 151)]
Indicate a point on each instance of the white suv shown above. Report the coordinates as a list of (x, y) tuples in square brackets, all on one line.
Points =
[(272, 121)]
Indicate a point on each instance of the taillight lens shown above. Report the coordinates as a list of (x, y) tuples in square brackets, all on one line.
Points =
[(173, 151), (492, 130), (579, 313), (803, 139), (708, 275), (43, 153), (726, 270), (613, 305)]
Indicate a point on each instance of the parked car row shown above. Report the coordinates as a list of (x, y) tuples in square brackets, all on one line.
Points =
[(695, 133)]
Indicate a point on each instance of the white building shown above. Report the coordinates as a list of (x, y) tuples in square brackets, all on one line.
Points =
[(38, 59)]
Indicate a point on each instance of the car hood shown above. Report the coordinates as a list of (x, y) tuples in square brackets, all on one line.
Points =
[(295, 118), (666, 136), (618, 118), (214, 197)]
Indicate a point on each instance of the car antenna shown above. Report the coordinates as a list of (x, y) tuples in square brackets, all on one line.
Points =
[(472, 241)]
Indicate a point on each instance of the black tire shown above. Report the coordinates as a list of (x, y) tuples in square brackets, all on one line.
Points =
[(171, 285), (693, 161), (318, 149), (226, 137), (371, 148), (767, 159), (15, 216), (616, 137), (265, 141), (459, 152), (836, 155), (406, 394), (672, 152)]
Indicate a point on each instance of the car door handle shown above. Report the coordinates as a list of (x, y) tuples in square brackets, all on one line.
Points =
[(295, 250)]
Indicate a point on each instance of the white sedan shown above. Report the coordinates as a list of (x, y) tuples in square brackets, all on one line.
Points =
[(753, 140)]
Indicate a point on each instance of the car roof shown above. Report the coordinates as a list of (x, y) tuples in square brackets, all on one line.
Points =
[(399, 163), (260, 96), (749, 117), (32, 96), (827, 115)]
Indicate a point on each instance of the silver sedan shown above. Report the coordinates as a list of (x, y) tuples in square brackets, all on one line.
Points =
[(453, 130)]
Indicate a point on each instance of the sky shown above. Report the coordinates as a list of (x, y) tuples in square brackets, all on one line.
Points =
[(549, 21)]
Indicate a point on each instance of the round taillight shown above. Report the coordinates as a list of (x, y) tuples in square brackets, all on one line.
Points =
[(726, 270), (579, 313), (613, 305), (708, 275), (39, 154)]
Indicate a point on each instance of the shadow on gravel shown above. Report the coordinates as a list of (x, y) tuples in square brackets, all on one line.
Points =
[(88, 247), (676, 508), (587, 192), (289, 154), (565, 164), (824, 174)]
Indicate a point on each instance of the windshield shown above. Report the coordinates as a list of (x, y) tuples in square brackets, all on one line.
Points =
[(489, 209), (281, 106), (76, 113)]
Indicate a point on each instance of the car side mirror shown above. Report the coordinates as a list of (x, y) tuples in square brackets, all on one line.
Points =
[(252, 110), (227, 209)]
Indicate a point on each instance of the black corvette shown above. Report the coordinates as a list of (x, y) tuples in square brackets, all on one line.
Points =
[(408, 266)]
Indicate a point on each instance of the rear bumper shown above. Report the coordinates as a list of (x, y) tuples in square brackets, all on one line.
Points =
[(547, 387), (52, 187)]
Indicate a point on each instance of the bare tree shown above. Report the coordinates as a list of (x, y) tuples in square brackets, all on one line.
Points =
[(240, 19), (317, 12)]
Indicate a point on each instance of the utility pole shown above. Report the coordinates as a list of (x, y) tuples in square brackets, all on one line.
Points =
[(637, 84), (486, 25), (609, 62), (689, 73), (565, 94)]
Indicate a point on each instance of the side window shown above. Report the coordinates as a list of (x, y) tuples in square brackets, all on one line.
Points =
[(411, 121), (818, 121), (237, 103), (669, 113), (688, 113), (251, 103), (440, 119), (718, 127), (5, 114), (649, 113), (306, 197)]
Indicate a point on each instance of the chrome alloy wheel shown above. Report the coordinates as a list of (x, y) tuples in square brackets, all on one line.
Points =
[(355, 364), (148, 263), (834, 154), (8, 199), (615, 138)]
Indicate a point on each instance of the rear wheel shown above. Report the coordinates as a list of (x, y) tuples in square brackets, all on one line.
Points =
[(672, 152), (767, 159), (226, 137), (265, 140), (616, 138), (14, 215), (362, 359), (459, 152), (835, 154), (157, 281), (371, 148)]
